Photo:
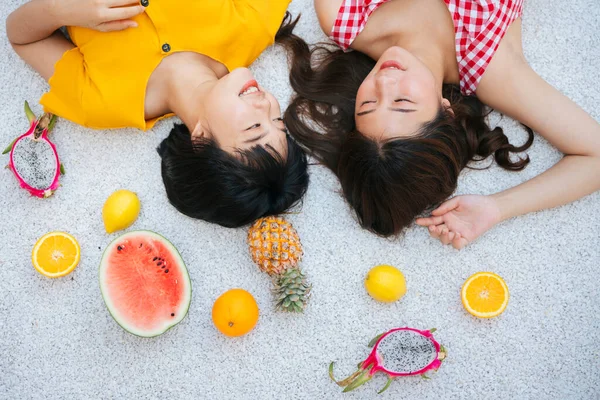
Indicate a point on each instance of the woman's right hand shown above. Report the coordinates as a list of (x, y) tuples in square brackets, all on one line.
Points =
[(462, 219), (100, 15)]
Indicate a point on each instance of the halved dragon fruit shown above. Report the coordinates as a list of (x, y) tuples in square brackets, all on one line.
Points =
[(398, 352), (33, 157)]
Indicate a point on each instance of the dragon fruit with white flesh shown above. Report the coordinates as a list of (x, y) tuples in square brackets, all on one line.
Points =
[(33, 157), (398, 352)]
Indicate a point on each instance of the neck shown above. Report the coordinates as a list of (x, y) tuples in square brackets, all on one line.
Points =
[(423, 27), (435, 61), (188, 87)]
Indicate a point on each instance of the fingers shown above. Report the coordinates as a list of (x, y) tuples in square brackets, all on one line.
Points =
[(429, 221), (446, 206), (116, 25), (435, 231), (459, 242), (446, 236), (120, 13)]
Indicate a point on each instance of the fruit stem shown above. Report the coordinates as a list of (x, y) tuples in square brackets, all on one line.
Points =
[(363, 378), (30, 115), (43, 124), (10, 146), (346, 381), (387, 385), (52, 123), (375, 339)]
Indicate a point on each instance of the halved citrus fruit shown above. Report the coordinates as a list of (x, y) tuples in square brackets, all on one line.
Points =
[(485, 295), (55, 254)]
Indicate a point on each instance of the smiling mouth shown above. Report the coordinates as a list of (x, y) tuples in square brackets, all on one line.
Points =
[(391, 64), (249, 88)]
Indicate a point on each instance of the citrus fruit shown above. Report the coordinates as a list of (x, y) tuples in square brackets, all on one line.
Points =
[(120, 210), (385, 283), (235, 312), (485, 295), (55, 254)]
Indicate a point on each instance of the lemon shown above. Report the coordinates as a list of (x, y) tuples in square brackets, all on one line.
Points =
[(55, 254), (120, 210), (385, 283)]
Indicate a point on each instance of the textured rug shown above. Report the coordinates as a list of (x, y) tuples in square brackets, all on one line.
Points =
[(58, 341)]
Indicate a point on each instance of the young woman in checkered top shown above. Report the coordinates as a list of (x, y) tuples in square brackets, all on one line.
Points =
[(399, 118)]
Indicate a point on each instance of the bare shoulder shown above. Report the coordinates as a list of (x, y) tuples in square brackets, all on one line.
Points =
[(507, 59), (327, 11)]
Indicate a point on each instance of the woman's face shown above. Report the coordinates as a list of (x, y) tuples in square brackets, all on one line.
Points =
[(240, 114), (397, 97)]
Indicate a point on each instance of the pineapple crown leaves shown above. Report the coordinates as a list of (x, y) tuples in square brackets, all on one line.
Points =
[(291, 291)]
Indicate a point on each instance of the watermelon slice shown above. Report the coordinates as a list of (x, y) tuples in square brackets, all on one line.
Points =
[(145, 283)]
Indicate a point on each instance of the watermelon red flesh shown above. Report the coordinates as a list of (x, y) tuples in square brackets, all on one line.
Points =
[(145, 283)]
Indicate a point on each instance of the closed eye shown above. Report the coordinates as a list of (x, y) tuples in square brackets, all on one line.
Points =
[(367, 102), (401, 100), (253, 127), (279, 119)]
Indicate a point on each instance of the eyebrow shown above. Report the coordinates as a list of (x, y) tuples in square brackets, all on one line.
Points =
[(403, 110)]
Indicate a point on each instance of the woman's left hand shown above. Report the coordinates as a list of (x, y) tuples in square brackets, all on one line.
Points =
[(462, 219)]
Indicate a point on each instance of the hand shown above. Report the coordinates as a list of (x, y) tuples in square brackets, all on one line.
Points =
[(462, 219), (101, 15)]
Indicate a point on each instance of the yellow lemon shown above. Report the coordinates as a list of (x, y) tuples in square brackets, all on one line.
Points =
[(120, 210), (385, 283), (55, 254)]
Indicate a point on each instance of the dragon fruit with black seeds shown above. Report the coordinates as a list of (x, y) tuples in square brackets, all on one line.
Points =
[(398, 352), (33, 157)]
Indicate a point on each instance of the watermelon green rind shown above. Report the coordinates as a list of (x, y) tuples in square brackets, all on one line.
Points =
[(184, 307)]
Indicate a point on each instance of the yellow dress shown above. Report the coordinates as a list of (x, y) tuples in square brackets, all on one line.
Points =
[(101, 83)]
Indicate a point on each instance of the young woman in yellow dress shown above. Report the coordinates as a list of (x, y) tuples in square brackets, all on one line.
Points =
[(130, 64)]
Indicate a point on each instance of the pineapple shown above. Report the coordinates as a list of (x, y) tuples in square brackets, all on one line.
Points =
[(276, 249)]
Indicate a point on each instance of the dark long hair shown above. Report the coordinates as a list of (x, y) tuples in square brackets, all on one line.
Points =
[(386, 183), (203, 181)]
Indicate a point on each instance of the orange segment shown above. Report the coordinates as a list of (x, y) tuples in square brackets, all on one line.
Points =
[(485, 295), (55, 254)]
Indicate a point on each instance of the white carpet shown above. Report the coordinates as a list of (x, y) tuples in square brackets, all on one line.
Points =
[(58, 341)]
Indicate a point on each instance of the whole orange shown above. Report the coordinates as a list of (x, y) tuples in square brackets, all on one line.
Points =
[(235, 312)]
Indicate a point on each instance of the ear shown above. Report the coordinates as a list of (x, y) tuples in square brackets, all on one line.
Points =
[(447, 106)]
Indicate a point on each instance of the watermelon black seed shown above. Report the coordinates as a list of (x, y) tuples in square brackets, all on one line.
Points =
[(159, 263), (164, 266), (141, 244), (166, 271), (155, 258), (172, 314), (119, 248)]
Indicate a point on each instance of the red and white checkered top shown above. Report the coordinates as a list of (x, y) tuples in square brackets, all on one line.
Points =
[(479, 26)]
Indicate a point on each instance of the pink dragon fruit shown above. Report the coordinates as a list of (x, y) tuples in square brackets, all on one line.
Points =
[(398, 352), (33, 157)]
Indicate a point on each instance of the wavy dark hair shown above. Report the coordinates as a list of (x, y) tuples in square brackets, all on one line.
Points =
[(387, 183), (205, 182)]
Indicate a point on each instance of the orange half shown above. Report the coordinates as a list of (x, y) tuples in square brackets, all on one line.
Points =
[(55, 254), (485, 295)]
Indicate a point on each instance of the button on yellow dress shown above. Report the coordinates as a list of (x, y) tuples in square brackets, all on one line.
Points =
[(101, 83)]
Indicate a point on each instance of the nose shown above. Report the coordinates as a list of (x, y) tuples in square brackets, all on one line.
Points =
[(384, 83), (261, 102)]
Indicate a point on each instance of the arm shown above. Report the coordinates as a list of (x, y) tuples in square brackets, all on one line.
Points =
[(511, 87), (31, 29)]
